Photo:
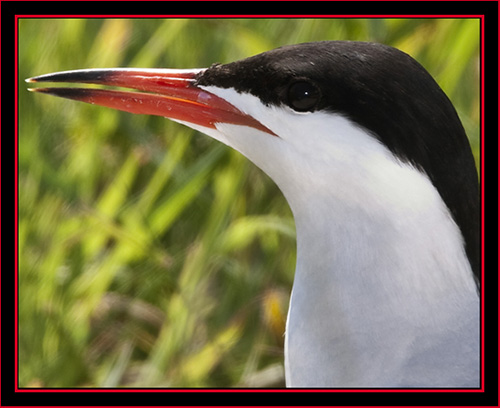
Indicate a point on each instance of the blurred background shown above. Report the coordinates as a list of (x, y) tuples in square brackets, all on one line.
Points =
[(151, 255)]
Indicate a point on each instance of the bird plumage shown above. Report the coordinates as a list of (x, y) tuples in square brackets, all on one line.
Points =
[(375, 164)]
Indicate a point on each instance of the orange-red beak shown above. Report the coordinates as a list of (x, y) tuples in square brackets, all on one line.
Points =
[(165, 92)]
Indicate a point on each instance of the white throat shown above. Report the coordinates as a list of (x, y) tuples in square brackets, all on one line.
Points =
[(383, 294), (381, 300)]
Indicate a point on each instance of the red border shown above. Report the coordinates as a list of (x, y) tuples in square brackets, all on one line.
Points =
[(226, 16), (246, 390)]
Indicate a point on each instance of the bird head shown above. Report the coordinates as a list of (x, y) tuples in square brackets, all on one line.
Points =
[(311, 115)]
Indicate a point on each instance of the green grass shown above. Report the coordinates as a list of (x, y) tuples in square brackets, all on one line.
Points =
[(150, 255)]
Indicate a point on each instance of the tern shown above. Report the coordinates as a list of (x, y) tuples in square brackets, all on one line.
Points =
[(375, 164)]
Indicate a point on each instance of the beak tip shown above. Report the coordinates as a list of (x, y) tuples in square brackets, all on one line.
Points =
[(49, 91)]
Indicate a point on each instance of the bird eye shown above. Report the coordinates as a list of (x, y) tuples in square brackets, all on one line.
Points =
[(303, 96)]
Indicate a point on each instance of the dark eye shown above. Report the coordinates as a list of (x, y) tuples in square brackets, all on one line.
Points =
[(303, 96)]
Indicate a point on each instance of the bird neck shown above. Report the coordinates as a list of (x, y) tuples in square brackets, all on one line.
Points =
[(380, 264), (382, 280)]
